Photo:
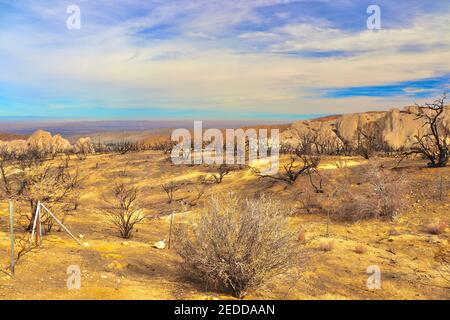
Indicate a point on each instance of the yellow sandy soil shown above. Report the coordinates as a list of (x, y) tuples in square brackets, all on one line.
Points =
[(113, 268)]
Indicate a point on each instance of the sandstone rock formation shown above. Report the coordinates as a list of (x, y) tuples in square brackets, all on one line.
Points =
[(14, 146), (45, 143), (398, 127), (60, 145), (83, 146), (41, 141)]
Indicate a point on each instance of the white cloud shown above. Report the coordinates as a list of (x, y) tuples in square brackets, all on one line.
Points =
[(111, 64)]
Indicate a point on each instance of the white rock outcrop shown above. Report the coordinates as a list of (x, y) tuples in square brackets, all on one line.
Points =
[(398, 127)]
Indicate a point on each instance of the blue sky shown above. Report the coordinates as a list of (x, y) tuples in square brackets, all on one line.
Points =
[(211, 59)]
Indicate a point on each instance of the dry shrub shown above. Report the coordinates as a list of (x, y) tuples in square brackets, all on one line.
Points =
[(382, 194), (442, 256), (123, 209), (310, 201), (170, 188), (301, 236), (327, 245), (436, 228), (360, 248), (238, 244)]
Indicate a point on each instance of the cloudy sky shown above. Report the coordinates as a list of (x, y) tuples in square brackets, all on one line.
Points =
[(219, 59)]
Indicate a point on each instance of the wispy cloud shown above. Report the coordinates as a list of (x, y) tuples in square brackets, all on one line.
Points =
[(263, 57)]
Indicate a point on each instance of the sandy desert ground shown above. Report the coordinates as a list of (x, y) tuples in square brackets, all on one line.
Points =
[(114, 268)]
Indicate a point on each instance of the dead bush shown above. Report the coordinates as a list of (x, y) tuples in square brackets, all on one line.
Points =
[(27, 178), (301, 237), (237, 244), (360, 249), (327, 245), (310, 201), (436, 228), (442, 256), (122, 209), (170, 188), (299, 164), (222, 171), (382, 194)]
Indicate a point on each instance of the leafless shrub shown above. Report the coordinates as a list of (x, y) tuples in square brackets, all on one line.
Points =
[(170, 188), (237, 244), (369, 139), (327, 245), (22, 245), (165, 146), (436, 227), (443, 258), (29, 179), (200, 191), (124, 147), (222, 171), (297, 166), (315, 179), (123, 209), (360, 249), (382, 195), (310, 201)]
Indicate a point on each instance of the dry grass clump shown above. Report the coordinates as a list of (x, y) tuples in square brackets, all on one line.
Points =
[(310, 201), (327, 245), (381, 194), (301, 237), (238, 244), (436, 227), (360, 248)]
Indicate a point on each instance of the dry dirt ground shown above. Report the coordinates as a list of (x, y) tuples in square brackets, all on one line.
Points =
[(114, 268)]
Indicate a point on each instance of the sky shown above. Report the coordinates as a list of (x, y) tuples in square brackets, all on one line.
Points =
[(219, 59)]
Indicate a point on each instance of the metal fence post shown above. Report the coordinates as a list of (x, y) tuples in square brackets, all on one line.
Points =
[(11, 235)]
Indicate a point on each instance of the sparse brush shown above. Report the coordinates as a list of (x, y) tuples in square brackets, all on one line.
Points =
[(442, 256), (301, 236), (238, 244), (360, 249), (327, 245), (382, 195), (170, 188), (222, 171), (123, 209), (436, 228)]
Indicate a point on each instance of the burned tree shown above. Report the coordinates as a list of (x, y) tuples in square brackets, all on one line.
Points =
[(124, 147), (222, 171), (29, 179), (298, 165), (435, 143), (369, 139), (123, 209)]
